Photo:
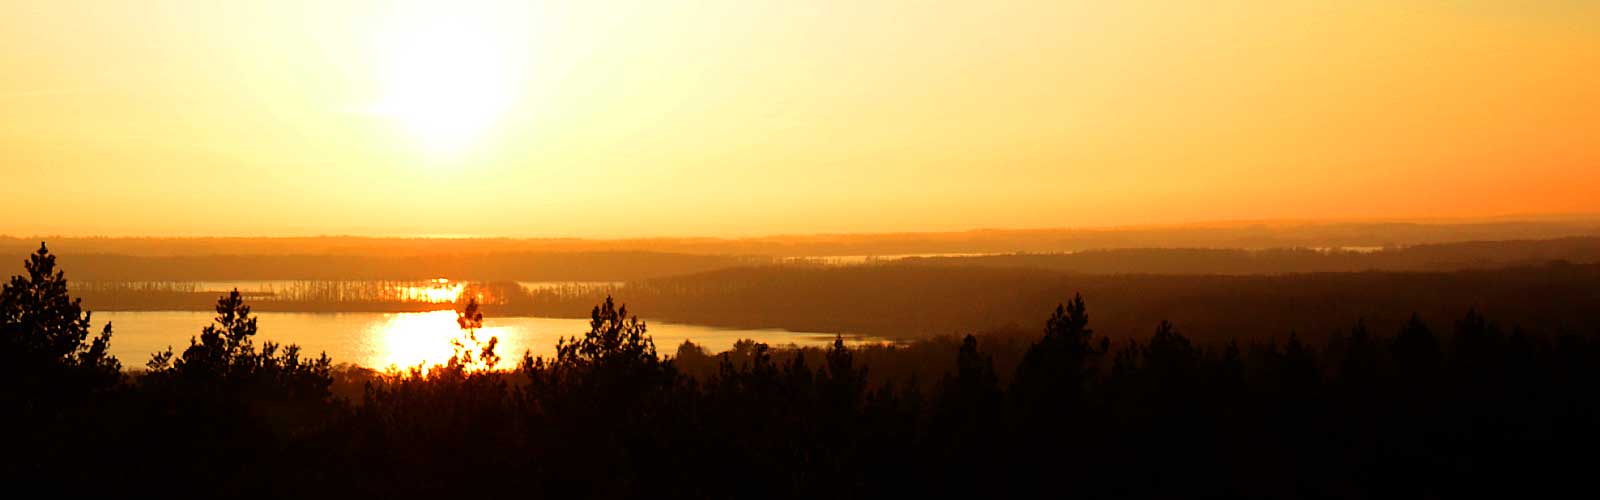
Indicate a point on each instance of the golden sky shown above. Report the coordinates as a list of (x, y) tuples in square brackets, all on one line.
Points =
[(728, 118)]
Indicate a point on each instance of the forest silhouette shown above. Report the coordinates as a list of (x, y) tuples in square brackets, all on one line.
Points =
[(1474, 407)]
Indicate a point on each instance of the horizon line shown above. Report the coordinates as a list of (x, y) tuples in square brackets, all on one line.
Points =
[(1199, 224)]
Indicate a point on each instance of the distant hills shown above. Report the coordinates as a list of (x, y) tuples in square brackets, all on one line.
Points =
[(1188, 261)]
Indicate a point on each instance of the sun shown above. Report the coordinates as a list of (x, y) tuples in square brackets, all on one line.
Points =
[(445, 78)]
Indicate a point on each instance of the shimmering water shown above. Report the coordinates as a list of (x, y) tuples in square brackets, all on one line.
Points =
[(381, 340)]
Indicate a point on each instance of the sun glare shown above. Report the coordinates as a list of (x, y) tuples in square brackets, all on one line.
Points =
[(440, 291), (446, 77), (406, 340)]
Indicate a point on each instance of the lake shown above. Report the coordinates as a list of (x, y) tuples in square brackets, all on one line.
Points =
[(381, 340)]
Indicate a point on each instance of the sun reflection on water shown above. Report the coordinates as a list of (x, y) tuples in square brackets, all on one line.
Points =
[(405, 340), (437, 291)]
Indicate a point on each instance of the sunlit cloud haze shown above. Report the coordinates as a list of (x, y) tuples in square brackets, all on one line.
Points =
[(738, 117)]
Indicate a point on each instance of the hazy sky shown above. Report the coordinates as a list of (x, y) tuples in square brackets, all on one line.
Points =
[(742, 117)]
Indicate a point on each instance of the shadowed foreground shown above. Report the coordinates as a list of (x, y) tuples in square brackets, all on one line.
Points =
[(1469, 408)]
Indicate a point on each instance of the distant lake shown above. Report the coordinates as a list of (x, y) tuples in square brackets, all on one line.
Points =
[(380, 340), (435, 291)]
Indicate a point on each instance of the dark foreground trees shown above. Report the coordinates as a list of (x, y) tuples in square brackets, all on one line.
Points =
[(1404, 411), (46, 347), (55, 377), (234, 414)]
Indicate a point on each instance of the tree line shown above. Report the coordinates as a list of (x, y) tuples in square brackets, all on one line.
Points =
[(904, 301), (1474, 408)]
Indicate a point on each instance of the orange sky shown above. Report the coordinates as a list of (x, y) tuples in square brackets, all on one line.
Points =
[(730, 118)]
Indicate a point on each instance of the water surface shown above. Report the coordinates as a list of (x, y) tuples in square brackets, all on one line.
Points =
[(381, 340)]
